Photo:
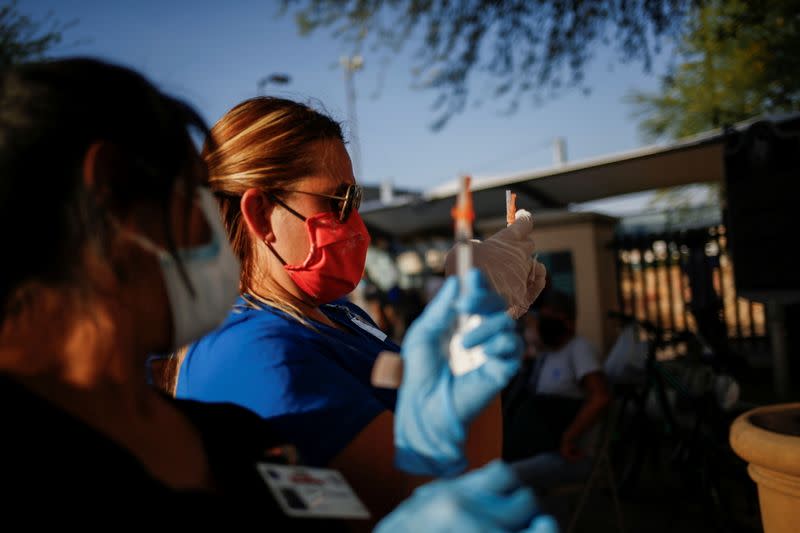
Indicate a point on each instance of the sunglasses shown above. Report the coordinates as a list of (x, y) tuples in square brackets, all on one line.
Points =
[(343, 204)]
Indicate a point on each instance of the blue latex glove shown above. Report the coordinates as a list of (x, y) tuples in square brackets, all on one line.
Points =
[(434, 407), (491, 499)]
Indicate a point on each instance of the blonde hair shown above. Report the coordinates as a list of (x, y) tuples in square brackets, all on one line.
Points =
[(264, 143)]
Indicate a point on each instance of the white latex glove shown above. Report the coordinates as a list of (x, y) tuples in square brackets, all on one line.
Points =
[(506, 259)]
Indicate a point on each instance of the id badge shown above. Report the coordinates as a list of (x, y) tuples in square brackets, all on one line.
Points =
[(306, 492)]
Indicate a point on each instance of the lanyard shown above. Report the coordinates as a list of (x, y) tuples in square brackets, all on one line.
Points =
[(361, 323)]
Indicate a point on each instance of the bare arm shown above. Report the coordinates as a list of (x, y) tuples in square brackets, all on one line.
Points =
[(368, 461), (598, 397)]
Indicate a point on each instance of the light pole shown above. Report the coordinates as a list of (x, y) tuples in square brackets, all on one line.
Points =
[(275, 78), (351, 64)]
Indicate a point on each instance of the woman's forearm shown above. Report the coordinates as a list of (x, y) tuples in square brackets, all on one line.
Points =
[(485, 437), (589, 414)]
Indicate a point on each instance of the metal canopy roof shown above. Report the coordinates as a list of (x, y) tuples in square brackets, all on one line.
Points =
[(692, 160)]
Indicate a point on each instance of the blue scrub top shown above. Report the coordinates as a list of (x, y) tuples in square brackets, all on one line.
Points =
[(314, 386)]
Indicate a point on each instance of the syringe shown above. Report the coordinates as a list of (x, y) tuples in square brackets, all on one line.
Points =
[(511, 207), (463, 216), (511, 216), (388, 369), (464, 360)]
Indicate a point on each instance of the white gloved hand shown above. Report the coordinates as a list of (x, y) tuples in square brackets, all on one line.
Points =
[(506, 259)]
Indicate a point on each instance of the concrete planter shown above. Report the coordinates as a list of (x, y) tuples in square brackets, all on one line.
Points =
[(768, 438)]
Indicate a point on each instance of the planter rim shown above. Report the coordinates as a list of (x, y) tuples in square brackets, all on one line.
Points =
[(767, 449)]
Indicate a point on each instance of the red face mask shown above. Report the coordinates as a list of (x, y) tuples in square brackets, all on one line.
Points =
[(336, 259)]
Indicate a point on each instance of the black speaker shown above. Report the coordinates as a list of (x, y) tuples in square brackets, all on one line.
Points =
[(762, 212)]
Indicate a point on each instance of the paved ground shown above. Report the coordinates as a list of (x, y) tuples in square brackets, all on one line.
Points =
[(663, 502), (660, 505)]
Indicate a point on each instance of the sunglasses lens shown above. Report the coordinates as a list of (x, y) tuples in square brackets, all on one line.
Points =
[(337, 206), (352, 200)]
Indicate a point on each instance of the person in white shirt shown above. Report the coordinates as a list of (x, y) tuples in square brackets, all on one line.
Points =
[(555, 403)]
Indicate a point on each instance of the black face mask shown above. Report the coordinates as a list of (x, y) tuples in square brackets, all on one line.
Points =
[(551, 331)]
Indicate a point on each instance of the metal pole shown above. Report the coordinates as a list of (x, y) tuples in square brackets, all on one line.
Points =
[(350, 64), (780, 362), (670, 264), (657, 281)]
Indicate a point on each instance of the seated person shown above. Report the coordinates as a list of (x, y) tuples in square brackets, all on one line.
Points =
[(557, 399), (293, 349), (136, 262), (98, 163)]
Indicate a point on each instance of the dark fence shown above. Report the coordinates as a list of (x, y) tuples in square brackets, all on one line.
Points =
[(663, 277)]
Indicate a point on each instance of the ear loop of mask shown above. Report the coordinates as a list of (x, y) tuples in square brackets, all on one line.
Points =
[(171, 238), (275, 199), (142, 241), (149, 246), (274, 252)]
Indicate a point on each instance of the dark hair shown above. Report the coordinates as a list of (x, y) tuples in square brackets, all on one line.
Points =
[(558, 301), (50, 113)]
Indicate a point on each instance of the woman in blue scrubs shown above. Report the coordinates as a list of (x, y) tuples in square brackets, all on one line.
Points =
[(293, 349)]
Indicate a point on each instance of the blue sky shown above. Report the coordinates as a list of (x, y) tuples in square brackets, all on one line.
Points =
[(213, 53)]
